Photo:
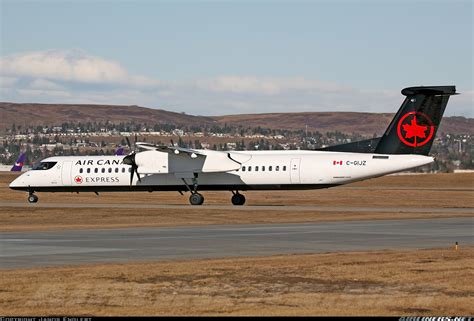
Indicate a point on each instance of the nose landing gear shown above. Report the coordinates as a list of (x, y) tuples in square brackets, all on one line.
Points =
[(32, 198)]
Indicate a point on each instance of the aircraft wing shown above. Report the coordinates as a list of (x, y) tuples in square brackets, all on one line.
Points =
[(174, 159), (171, 149)]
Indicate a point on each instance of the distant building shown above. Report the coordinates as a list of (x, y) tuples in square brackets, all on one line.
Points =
[(178, 132)]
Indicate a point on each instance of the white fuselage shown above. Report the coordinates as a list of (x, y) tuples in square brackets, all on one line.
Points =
[(254, 170)]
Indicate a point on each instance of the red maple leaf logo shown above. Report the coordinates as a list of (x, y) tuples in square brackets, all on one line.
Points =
[(414, 130), (78, 179)]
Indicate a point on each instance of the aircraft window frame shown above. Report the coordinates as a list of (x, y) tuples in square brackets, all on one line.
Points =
[(44, 166)]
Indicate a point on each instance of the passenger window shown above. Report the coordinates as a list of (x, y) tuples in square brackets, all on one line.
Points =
[(243, 168), (129, 169), (116, 169), (80, 170), (96, 170), (263, 168), (103, 170), (277, 168), (250, 168), (256, 168), (270, 168), (88, 170), (284, 168), (123, 169), (110, 169)]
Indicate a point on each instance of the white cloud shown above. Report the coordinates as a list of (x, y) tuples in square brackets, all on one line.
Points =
[(70, 65), (266, 86), (45, 84)]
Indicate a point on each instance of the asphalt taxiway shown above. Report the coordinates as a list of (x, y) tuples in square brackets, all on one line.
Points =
[(294, 208), (30, 249)]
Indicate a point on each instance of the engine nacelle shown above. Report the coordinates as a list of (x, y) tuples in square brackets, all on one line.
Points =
[(152, 162)]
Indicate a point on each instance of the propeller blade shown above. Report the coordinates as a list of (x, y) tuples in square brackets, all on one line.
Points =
[(128, 143), (131, 177), (130, 160), (138, 175)]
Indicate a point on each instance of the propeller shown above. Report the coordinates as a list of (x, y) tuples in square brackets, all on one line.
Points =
[(130, 160)]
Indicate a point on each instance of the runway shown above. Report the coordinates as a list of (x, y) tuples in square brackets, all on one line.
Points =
[(294, 208), (30, 249)]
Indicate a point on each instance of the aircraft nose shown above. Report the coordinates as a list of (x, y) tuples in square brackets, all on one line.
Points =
[(18, 183)]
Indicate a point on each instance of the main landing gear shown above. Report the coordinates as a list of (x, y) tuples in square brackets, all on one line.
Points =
[(32, 198), (195, 198), (237, 198)]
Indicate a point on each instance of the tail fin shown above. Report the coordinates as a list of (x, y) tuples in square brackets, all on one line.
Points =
[(119, 151), (19, 163), (413, 129)]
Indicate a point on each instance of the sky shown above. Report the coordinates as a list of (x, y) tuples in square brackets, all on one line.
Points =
[(232, 57)]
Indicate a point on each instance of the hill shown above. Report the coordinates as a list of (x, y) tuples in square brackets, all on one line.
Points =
[(56, 114), (348, 122)]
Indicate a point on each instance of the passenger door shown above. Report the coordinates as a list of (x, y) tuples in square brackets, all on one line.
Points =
[(295, 170), (66, 173)]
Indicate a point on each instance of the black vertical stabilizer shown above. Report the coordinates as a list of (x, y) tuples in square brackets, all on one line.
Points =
[(414, 127)]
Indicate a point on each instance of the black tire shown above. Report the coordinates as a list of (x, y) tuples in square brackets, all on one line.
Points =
[(196, 199), (32, 199), (238, 199)]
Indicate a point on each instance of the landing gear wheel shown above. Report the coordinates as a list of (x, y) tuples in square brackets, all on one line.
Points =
[(196, 199), (32, 198), (238, 199)]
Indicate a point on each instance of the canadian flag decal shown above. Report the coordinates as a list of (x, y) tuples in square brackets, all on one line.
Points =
[(337, 162)]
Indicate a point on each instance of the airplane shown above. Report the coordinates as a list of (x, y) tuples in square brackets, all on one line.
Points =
[(404, 145), (19, 163), (119, 151)]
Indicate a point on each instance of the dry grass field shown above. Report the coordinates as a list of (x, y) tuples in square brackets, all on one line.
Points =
[(417, 282), (390, 192)]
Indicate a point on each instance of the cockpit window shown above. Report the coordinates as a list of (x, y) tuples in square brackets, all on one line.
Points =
[(42, 166)]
